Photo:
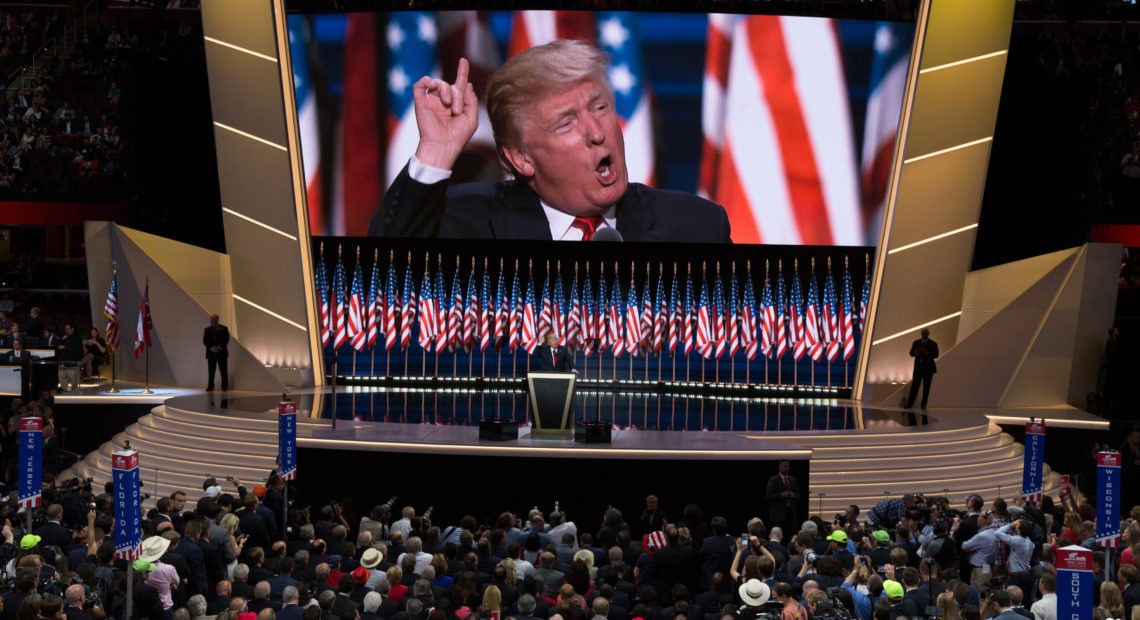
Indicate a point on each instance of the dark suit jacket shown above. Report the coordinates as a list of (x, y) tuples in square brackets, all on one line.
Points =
[(562, 360), (52, 533), (924, 364), (673, 564), (513, 211), (779, 509), (216, 337)]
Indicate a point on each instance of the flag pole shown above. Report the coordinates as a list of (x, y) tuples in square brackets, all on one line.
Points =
[(423, 356), (828, 326), (407, 278), (847, 312), (118, 332), (736, 313), (673, 378), (812, 283), (146, 333), (372, 309)]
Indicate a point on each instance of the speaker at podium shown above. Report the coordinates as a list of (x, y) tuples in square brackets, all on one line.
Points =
[(551, 400)]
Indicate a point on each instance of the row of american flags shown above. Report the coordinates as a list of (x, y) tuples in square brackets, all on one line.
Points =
[(778, 128), (712, 310)]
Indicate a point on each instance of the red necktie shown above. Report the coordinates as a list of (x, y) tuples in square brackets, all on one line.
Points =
[(587, 225)]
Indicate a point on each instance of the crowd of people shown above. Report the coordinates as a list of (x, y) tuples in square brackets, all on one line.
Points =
[(238, 554)]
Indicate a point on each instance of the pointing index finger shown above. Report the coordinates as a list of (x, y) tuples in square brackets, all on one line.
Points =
[(461, 75)]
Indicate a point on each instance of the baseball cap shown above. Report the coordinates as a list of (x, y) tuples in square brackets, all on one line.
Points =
[(29, 541), (142, 566), (882, 536), (893, 589), (838, 536)]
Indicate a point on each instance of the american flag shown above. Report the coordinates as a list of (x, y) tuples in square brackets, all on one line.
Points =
[(661, 319), (675, 319), (300, 42), (720, 321), (486, 312), (412, 38), (503, 316), (767, 321), (375, 315), (391, 308), (357, 329), (748, 320), (706, 316), (732, 329), (455, 313), (632, 319), (531, 28), (142, 333), (785, 167), (796, 336), (687, 323), (323, 293), (829, 322), (616, 317), (780, 341), (717, 54), (529, 320), (864, 301), (575, 334), (428, 311), (408, 311), (847, 317), (111, 311), (619, 36), (888, 81), (601, 324), (514, 331), (439, 306), (546, 313), (558, 311), (588, 334), (813, 338), (646, 324), (339, 325), (471, 313)]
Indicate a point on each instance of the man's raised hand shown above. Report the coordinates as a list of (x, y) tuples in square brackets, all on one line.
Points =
[(447, 116)]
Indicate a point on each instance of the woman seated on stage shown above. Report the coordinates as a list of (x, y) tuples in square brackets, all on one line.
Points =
[(96, 353)]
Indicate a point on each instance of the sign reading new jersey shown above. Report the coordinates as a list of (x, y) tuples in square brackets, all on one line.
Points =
[(1032, 477), (1108, 499), (127, 484), (31, 462), (287, 439), (1074, 583)]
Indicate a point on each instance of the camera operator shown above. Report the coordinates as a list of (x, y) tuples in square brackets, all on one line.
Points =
[(78, 607), (53, 532), (889, 512), (982, 549), (864, 585), (1015, 537)]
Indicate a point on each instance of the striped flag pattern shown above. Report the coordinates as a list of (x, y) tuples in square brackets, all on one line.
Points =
[(142, 333), (357, 330), (111, 311), (529, 320), (516, 316), (748, 321), (796, 337), (829, 322), (339, 326), (323, 296), (813, 338), (408, 311), (391, 309), (374, 318), (785, 166), (847, 317)]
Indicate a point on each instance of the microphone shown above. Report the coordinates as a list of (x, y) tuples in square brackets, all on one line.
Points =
[(607, 234)]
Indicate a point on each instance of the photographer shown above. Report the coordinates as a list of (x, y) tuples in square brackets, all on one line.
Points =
[(864, 586), (78, 607), (1015, 537)]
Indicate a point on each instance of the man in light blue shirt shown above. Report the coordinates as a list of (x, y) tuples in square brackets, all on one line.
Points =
[(983, 550), (1016, 537)]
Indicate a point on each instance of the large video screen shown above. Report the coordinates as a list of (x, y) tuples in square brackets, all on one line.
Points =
[(754, 129)]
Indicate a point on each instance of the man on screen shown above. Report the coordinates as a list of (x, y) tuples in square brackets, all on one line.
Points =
[(558, 134)]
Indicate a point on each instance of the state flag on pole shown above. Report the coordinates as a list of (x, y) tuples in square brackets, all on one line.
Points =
[(142, 334)]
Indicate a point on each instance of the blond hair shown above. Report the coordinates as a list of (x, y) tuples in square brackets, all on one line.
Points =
[(533, 74)]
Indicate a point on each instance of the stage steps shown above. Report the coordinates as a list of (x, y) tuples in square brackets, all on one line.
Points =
[(861, 467)]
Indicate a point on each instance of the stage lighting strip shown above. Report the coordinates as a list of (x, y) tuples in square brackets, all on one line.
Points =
[(911, 330), (241, 49), (261, 224), (611, 452), (270, 313), (250, 136), (963, 61)]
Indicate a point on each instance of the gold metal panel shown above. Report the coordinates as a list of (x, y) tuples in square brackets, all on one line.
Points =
[(244, 23), (961, 29), (245, 92), (955, 106)]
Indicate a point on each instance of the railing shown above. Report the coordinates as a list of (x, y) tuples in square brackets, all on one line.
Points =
[(65, 39)]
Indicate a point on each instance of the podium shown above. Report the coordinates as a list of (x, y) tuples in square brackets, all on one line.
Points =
[(551, 397)]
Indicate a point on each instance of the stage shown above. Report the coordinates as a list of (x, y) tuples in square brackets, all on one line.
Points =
[(880, 453)]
